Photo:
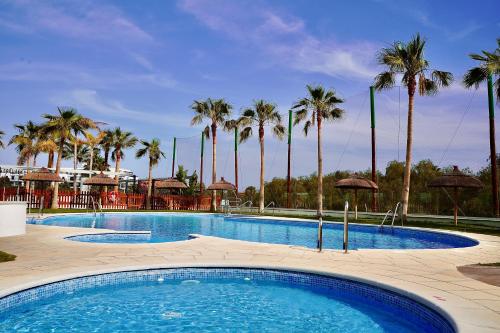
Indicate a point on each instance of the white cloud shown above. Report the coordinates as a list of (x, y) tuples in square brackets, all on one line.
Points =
[(285, 38)]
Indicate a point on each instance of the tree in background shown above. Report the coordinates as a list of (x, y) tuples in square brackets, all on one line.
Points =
[(261, 115), (217, 113), (92, 141), (151, 149), (408, 61), (121, 140), (2, 133), (107, 144)]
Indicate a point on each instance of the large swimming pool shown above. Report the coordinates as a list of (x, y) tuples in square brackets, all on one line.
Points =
[(215, 300), (171, 227)]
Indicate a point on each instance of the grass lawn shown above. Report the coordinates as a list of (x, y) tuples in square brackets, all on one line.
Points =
[(4, 256), (463, 224)]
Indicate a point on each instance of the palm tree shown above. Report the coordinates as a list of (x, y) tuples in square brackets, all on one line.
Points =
[(92, 141), (489, 64), (408, 60), (153, 150), (48, 144), (319, 106), (121, 140), (61, 126), (216, 112), (261, 115), (106, 144), (27, 145), (2, 133)]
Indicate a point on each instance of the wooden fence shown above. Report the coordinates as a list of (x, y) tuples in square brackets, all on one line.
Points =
[(108, 200)]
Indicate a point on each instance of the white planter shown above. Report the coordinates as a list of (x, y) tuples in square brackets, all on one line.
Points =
[(12, 218)]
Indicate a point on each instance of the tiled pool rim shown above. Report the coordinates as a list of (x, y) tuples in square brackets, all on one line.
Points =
[(394, 300)]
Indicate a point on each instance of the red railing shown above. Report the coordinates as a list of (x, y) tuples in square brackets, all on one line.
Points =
[(108, 200)]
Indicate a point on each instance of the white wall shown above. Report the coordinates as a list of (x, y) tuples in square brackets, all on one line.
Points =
[(12, 218)]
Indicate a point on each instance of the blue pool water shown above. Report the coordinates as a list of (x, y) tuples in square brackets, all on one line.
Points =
[(166, 227), (214, 300)]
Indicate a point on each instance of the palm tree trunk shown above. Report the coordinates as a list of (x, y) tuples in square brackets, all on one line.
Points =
[(213, 204), (91, 162), (148, 198), (50, 160), (409, 142), (106, 157), (55, 193), (28, 170), (320, 169), (117, 167), (75, 161), (261, 190)]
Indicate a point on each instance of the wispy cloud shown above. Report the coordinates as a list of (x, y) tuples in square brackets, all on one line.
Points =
[(285, 38), (74, 19)]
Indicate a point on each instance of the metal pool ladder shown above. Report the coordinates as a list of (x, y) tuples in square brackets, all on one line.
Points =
[(394, 215), (94, 207)]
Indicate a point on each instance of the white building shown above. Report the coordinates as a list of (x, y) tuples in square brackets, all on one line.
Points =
[(16, 172)]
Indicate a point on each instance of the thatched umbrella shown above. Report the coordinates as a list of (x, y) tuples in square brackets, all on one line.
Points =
[(100, 180), (43, 175), (455, 180), (221, 185), (356, 183), (170, 183)]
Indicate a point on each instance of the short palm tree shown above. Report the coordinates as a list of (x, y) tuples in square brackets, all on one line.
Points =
[(2, 133), (27, 144), (319, 106), (106, 144), (489, 64), (61, 126), (216, 112), (153, 150), (121, 140), (92, 141), (261, 115), (408, 61)]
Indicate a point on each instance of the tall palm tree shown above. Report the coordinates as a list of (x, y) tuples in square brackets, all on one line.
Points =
[(153, 150), (489, 67), (408, 61), (106, 144), (2, 133), (121, 140), (489, 64), (320, 105), (261, 115), (92, 141), (61, 125), (27, 144), (48, 144), (216, 112)]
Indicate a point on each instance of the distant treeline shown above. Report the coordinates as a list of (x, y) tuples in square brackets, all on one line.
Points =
[(423, 200)]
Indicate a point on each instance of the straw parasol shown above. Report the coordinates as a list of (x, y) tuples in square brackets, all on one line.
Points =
[(43, 175), (356, 183), (170, 183), (101, 180), (455, 180), (221, 185)]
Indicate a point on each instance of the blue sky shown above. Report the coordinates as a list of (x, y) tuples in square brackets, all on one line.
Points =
[(140, 64)]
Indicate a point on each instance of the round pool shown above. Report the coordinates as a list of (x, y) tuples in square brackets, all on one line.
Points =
[(215, 300), (171, 227)]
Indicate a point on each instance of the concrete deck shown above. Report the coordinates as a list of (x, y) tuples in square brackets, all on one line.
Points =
[(43, 255)]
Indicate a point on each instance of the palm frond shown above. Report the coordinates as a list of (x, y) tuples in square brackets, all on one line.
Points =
[(442, 78), (384, 80), (245, 134), (307, 126), (475, 76)]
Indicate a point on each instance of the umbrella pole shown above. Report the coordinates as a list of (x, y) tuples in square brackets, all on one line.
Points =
[(455, 210), (356, 204)]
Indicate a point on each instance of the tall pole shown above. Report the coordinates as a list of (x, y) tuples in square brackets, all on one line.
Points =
[(201, 161), (236, 158), (493, 154), (289, 175), (173, 157), (374, 160)]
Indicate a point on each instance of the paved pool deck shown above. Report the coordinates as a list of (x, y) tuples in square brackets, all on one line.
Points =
[(43, 255)]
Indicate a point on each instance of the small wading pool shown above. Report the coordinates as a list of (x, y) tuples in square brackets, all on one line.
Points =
[(171, 227), (215, 300)]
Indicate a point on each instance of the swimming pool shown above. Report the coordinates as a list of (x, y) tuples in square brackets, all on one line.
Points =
[(215, 300), (171, 227)]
